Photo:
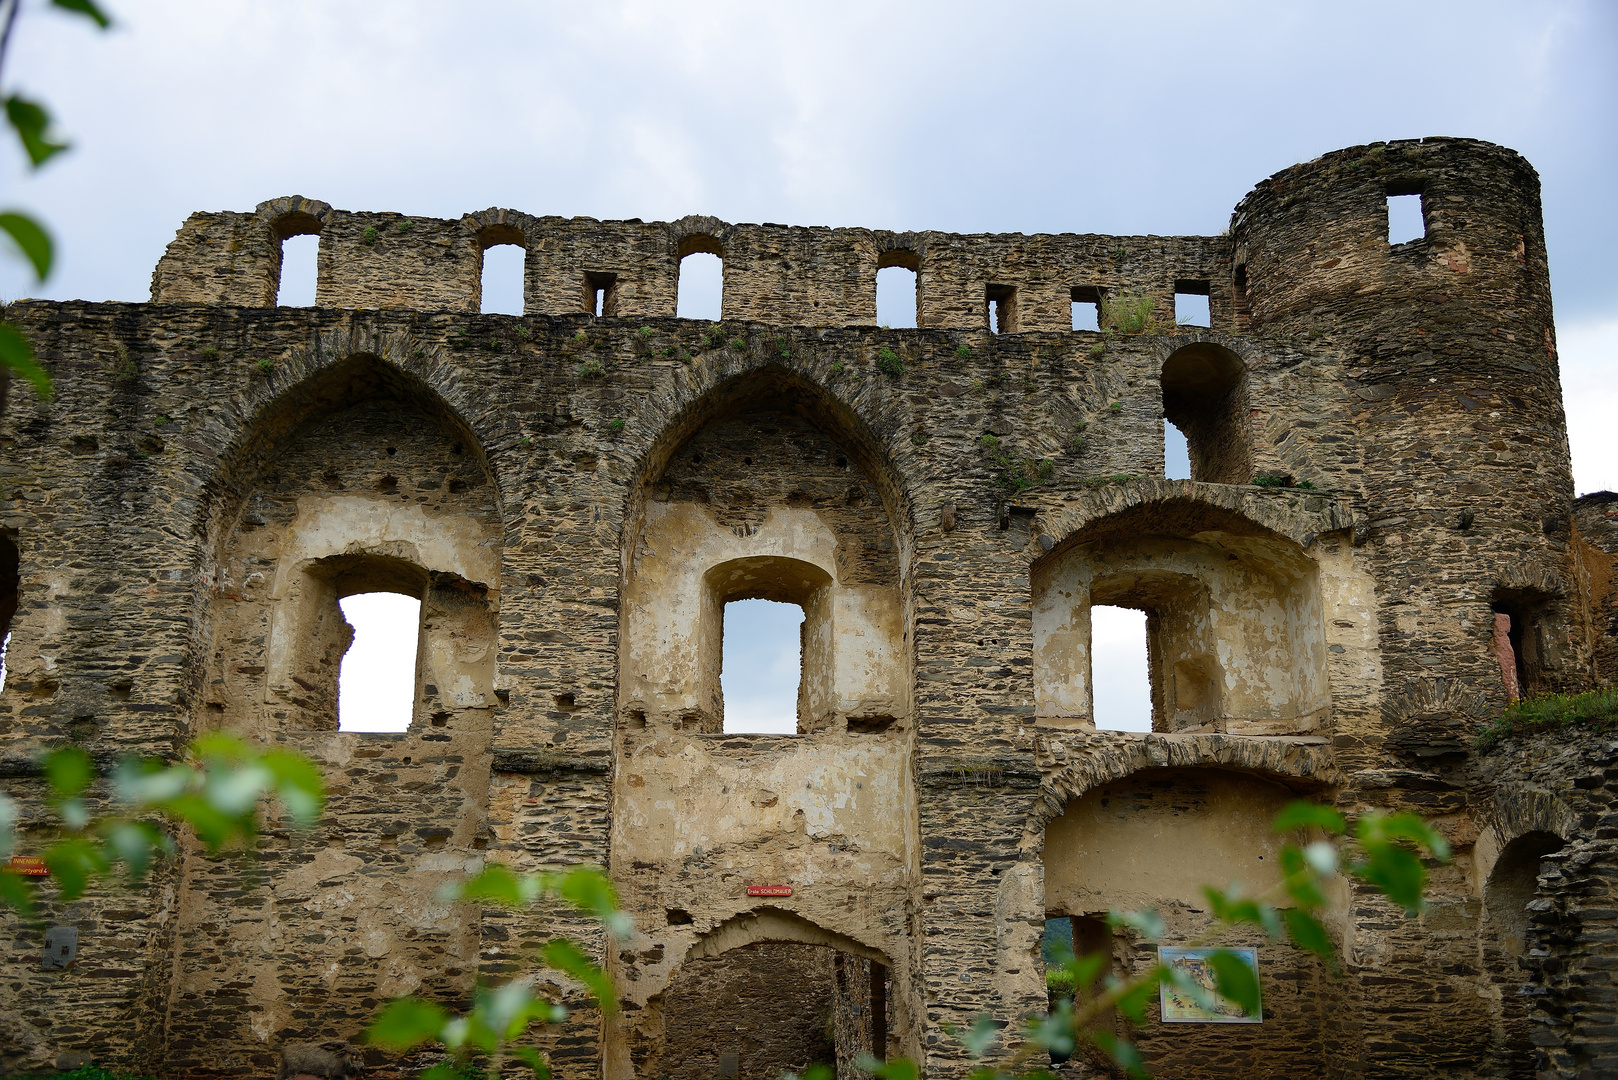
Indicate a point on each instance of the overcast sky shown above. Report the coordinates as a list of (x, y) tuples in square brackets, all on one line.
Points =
[(1114, 118)]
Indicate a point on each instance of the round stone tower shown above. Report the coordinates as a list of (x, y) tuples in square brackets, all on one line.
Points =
[(1448, 370)]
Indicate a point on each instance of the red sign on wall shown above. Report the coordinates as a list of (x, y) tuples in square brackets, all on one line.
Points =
[(769, 890), (32, 866)]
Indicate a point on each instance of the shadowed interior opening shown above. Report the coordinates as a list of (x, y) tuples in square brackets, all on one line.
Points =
[(376, 684), (761, 667), (1000, 308), (1203, 398)]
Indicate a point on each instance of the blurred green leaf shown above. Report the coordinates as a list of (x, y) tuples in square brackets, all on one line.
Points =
[(72, 862), (1133, 1001), (1307, 932), (85, 8), (17, 355), (897, 1069), (980, 1036), (587, 888), (406, 1022), (495, 884), (16, 893), (298, 784), (444, 1070), (534, 1060), (31, 240), (1122, 1053), (1397, 873), (1321, 857), (68, 770), (32, 124), (1302, 814), (1237, 981), (1054, 1030), (1144, 922), (566, 957), (135, 842)]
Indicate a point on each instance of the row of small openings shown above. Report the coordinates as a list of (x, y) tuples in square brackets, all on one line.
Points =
[(1191, 307)]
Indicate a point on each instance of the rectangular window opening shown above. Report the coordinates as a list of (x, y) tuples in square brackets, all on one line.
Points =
[(896, 298), (10, 587), (1191, 303), (1120, 680), (1238, 290), (701, 289), (376, 683), (1407, 218), (761, 667), (502, 279), (601, 294), (1176, 453), (300, 257), (1086, 307), (1001, 304)]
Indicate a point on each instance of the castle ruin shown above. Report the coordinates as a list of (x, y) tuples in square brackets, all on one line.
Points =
[(575, 494)]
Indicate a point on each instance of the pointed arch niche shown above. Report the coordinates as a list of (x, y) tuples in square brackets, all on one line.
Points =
[(1235, 627), (765, 489), (359, 479)]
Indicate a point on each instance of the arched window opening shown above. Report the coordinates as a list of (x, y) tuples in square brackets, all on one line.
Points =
[(1000, 308), (10, 582), (898, 289), (805, 1005), (1086, 307), (300, 259), (1512, 885), (761, 670), (1203, 398), (1176, 454), (601, 294), (1407, 214), (1191, 303), (1122, 682), (701, 290), (501, 279), (376, 684)]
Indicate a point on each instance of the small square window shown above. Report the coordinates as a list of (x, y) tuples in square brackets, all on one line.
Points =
[(1086, 307), (1407, 218), (1191, 303), (1001, 304)]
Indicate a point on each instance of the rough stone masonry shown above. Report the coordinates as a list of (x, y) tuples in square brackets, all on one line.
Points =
[(575, 494)]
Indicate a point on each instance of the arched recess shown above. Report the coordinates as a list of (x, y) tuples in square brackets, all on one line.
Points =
[(764, 992), (353, 475), (764, 470), (358, 474), (1235, 618), (1204, 396), (285, 218), (1155, 838), (759, 482), (1509, 892)]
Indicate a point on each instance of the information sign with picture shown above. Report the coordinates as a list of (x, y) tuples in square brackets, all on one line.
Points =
[(1181, 1008)]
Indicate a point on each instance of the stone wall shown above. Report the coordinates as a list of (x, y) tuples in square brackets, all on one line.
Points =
[(574, 498)]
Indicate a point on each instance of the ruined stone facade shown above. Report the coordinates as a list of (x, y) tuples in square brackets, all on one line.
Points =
[(575, 494)]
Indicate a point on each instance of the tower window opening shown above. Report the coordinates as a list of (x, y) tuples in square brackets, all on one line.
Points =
[(502, 279), (10, 581), (1203, 398), (1121, 681), (601, 294), (761, 667), (1086, 307), (896, 297), (300, 259), (376, 684), (700, 293), (1176, 453), (1000, 308), (1407, 217), (1191, 303)]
